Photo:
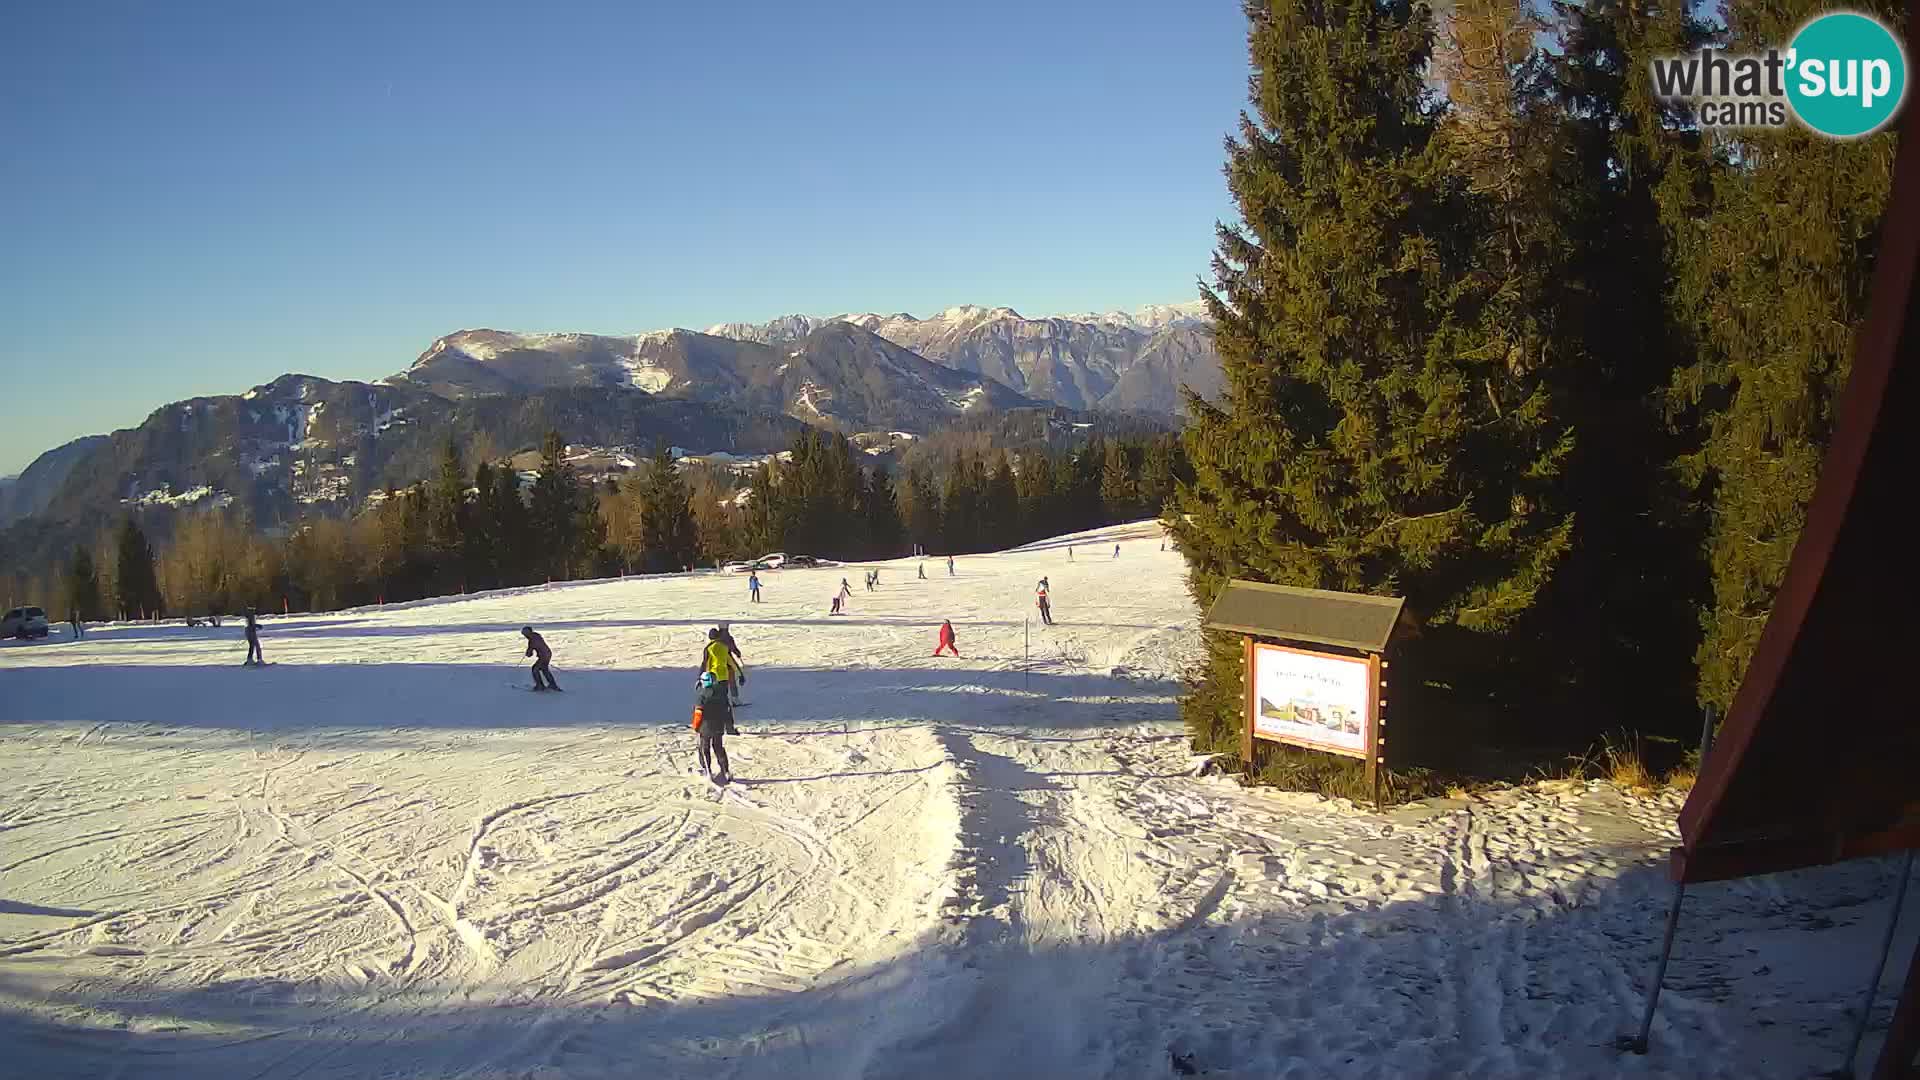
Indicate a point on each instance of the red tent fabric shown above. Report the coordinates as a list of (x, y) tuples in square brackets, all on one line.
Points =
[(1819, 757)]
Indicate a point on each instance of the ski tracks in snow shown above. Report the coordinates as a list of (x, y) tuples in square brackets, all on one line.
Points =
[(996, 866)]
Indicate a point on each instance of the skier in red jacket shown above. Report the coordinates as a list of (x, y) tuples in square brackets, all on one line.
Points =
[(946, 639)]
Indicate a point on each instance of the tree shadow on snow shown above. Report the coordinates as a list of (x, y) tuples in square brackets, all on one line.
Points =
[(366, 699), (1447, 985)]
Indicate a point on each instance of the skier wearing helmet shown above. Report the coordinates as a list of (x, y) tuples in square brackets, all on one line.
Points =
[(712, 716)]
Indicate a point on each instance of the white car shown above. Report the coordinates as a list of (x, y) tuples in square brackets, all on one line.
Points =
[(774, 561), (24, 622)]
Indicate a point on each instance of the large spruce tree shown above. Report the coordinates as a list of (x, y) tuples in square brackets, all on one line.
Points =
[(1000, 506), (668, 537), (83, 585), (1774, 285), (138, 588), (922, 510), (1617, 628), (559, 513), (1382, 428), (881, 511), (448, 520)]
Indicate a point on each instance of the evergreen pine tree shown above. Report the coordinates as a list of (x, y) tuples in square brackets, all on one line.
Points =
[(668, 536), (555, 512), (1156, 476), (1039, 497), (512, 528), (485, 555), (83, 586), (923, 511), (447, 519), (137, 584), (1079, 487), (764, 520), (1625, 598), (1000, 514), (1377, 432), (882, 514), (1775, 288), (960, 506), (1119, 492)]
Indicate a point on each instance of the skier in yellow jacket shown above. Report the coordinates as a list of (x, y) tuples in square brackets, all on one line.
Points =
[(722, 660)]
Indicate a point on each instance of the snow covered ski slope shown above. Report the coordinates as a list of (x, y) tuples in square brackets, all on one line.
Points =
[(373, 858)]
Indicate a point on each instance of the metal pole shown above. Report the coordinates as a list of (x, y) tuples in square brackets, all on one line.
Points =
[(1026, 648), (1879, 969), (1639, 1043)]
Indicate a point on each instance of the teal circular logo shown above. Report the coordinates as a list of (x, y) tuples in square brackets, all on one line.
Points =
[(1847, 75)]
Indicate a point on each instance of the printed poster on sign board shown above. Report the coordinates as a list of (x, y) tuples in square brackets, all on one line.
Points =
[(1311, 699)]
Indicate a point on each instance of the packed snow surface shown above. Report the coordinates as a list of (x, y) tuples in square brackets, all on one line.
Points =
[(382, 856)]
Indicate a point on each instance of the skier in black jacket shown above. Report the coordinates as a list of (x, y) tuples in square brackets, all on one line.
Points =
[(537, 646), (716, 715), (254, 655)]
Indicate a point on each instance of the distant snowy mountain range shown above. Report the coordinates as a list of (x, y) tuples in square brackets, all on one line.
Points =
[(1119, 360), (805, 365), (302, 442)]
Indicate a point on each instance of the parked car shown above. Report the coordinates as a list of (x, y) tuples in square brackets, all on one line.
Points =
[(24, 622), (802, 560), (772, 562)]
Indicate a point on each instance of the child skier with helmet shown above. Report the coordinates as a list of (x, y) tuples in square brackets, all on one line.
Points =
[(711, 718)]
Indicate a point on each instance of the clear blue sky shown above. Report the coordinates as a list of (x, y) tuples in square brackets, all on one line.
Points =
[(197, 197)]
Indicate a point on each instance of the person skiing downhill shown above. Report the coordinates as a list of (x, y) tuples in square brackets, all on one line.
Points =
[(537, 647), (949, 566), (923, 571), (736, 666), (74, 618), (1046, 608), (835, 609), (946, 639), (719, 660), (753, 585), (254, 655), (846, 590), (713, 717), (1116, 551)]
